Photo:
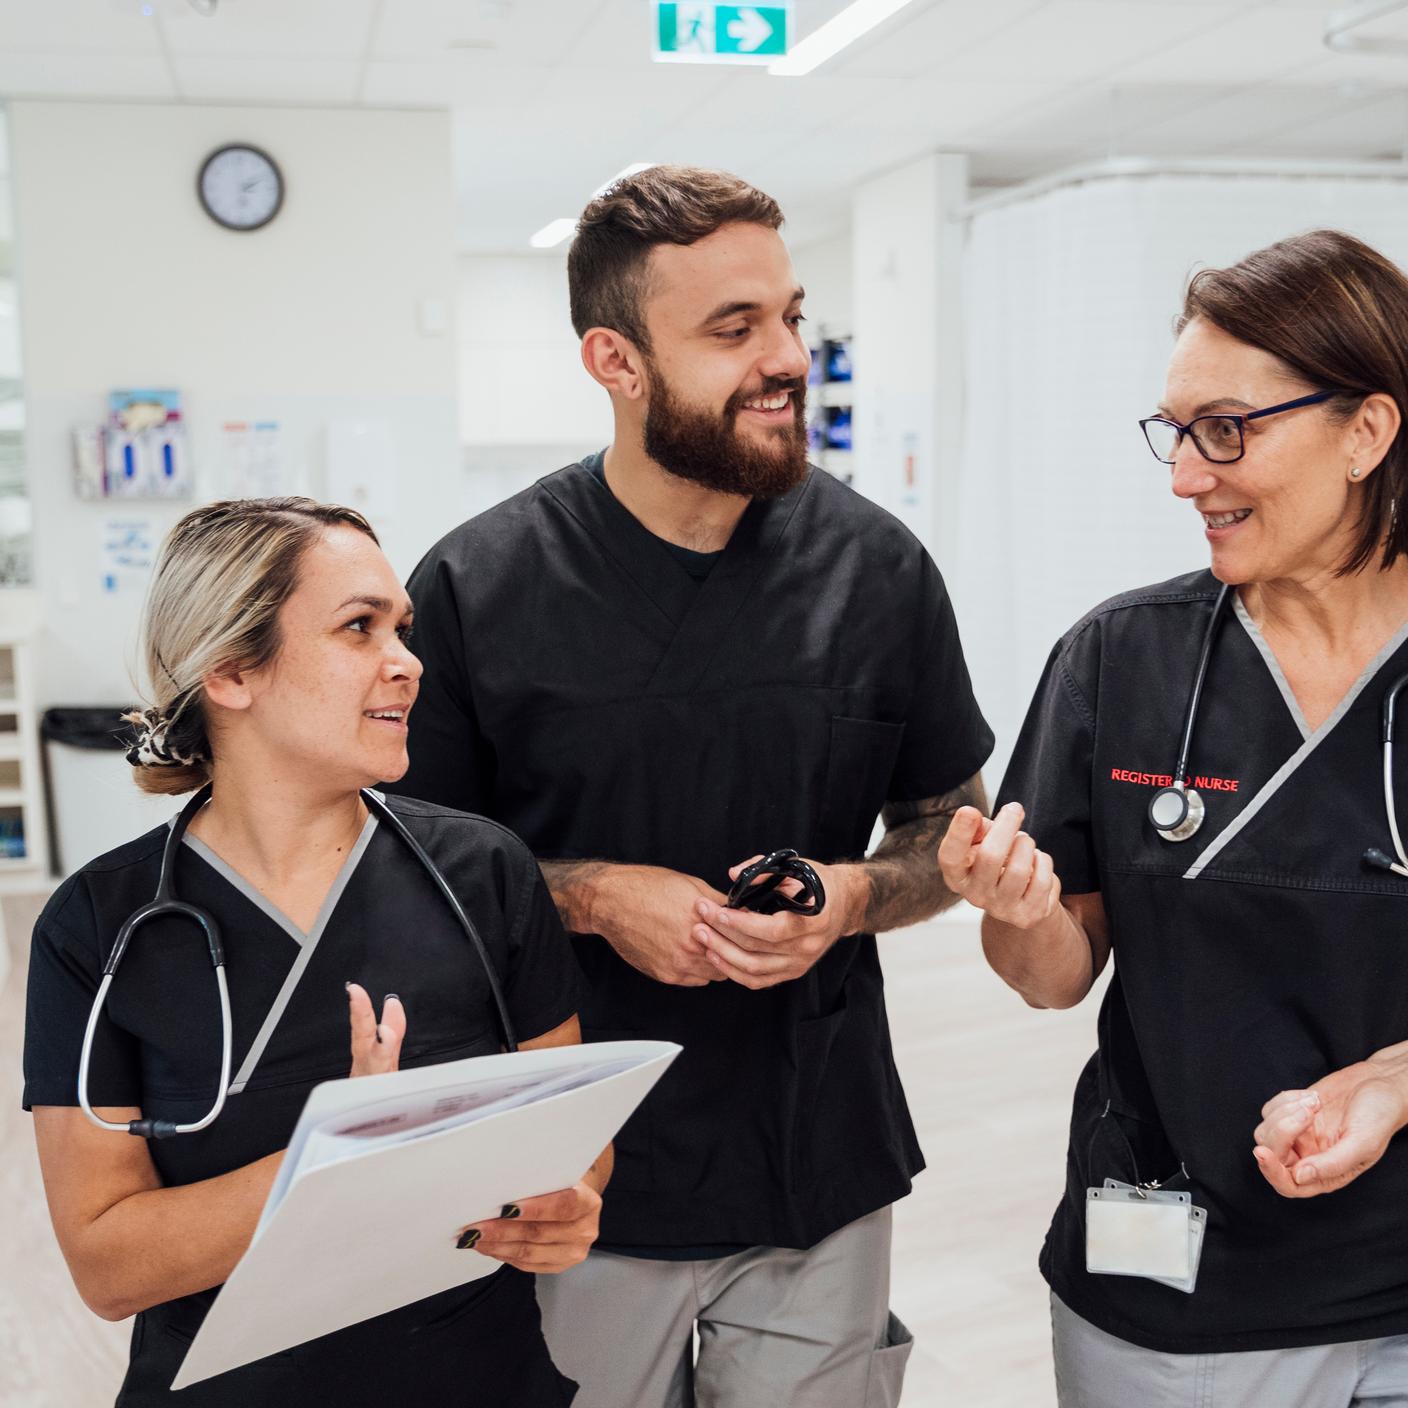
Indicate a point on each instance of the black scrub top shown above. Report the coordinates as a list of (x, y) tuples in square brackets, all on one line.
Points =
[(1256, 957), (157, 1046), (583, 688)]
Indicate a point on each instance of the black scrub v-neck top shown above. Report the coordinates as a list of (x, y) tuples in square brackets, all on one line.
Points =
[(581, 687), (157, 1046), (1256, 957)]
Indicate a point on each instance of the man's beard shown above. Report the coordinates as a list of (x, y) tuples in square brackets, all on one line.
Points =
[(706, 448)]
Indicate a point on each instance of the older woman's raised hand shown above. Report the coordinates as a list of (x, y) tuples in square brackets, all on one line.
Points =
[(996, 867), (1321, 1139), (376, 1046)]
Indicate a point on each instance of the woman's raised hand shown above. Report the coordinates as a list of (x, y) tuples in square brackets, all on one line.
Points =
[(376, 1046), (996, 867), (545, 1235)]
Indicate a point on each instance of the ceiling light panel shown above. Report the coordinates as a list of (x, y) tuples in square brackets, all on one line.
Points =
[(823, 44)]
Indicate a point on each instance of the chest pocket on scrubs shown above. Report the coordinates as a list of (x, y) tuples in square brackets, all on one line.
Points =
[(859, 766)]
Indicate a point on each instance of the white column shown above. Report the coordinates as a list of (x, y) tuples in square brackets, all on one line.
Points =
[(908, 346)]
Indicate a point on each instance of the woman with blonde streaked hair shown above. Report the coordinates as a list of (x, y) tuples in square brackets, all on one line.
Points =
[(282, 685)]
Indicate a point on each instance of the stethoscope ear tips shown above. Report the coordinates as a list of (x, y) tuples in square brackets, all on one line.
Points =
[(1380, 860), (1176, 813)]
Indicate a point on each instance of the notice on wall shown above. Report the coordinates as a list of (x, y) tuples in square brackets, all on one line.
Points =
[(251, 459), (127, 555)]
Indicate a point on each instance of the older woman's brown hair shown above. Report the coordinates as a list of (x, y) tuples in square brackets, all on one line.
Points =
[(1335, 312)]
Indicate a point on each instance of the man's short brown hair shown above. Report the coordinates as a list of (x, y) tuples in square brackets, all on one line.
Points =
[(607, 266)]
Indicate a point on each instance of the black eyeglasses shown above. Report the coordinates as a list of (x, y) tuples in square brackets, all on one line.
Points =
[(1220, 438)]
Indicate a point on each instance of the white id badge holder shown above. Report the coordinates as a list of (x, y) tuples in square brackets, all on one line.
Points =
[(1145, 1231)]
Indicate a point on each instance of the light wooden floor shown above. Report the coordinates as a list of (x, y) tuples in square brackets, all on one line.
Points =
[(989, 1082)]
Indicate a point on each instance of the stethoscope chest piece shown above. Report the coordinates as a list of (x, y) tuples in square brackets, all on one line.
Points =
[(1177, 812)]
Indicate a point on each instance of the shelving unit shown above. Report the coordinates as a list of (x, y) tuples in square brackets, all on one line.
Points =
[(23, 832), (831, 401)]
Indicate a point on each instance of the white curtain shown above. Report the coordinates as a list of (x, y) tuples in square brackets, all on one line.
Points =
[(1070, 298)]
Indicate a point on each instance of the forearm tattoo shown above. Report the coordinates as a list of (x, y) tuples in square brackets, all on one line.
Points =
[(906, 885), (568, 881)]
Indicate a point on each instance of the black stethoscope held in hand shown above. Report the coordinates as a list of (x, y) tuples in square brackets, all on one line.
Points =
[(1177, 811), (165, 905), (757, 886)]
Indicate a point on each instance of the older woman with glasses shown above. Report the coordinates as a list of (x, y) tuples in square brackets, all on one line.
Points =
[(1199, 791)]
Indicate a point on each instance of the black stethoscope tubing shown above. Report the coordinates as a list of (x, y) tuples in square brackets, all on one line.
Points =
[(165, 904), (1176, 812), (1374, 856)]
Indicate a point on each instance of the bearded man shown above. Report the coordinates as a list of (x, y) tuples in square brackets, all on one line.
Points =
[(655, 665)]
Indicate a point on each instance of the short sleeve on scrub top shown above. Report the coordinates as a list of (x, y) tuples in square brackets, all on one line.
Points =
[(64, 970), (1050, 771)]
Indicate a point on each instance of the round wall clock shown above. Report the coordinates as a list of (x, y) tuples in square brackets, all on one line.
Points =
[(240, 187)]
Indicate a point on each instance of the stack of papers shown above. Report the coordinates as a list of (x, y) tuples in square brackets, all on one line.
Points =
[(408, 1159)]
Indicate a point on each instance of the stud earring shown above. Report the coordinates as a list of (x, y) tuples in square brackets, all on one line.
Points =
[(1354, 473)]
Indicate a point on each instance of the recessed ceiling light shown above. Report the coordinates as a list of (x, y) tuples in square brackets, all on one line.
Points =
[(828, 41), (553, 233), (556, 231), (622, 174)]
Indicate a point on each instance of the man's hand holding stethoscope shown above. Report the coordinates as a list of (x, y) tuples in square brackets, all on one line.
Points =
[(997, 868), (761, 950), (544, 1234)]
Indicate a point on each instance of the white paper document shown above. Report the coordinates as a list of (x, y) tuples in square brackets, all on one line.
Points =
[(383, 1171)]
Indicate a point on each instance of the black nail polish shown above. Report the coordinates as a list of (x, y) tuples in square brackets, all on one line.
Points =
[(468, 1239), (511, 1210), (390, 995)]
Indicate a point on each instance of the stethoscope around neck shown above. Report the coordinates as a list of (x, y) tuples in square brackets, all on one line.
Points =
[(165, 905), (1177, 810)]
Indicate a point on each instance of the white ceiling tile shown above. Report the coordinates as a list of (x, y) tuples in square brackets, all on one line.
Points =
[(1365, 131), (85, 76), (208, 79), (473, 82), (1106, 118), (921, 36), (408, 83), (1232, 124), (552, 31), (88, 25), (278, 28), (1077, 40), (1251, 45), (1351, 69), (423, 29)]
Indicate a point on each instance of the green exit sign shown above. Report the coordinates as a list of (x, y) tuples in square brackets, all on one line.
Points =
[(688, 32)]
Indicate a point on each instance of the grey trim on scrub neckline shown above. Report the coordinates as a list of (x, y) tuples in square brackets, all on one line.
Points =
[(307, 943), (1273, 785), (1272, 664)]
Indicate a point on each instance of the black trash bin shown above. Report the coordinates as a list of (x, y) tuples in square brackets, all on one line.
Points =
[(93, 803)]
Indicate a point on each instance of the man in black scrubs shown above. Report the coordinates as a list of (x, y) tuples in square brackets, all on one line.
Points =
[(655, 664)]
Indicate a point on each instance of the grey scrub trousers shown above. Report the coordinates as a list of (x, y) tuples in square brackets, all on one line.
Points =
[(1096, 1370), (777, 1328)]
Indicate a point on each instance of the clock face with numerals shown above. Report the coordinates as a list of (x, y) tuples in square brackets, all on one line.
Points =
[(240, 187)]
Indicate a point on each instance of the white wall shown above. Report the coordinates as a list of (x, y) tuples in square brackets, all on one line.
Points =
[(825, 270), (527, 405), (1071, 299), (124, 281), (907, 261)]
